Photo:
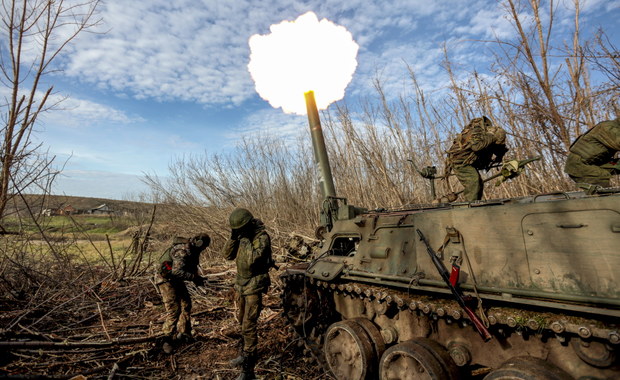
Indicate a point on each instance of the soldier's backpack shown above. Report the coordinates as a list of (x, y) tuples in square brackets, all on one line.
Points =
[(460, 152)]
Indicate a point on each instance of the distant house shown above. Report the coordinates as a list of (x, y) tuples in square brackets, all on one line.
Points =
[(102, 210), (66, 210), (48, 212)]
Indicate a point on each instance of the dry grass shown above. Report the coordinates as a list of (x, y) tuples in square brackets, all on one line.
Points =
[(84, 282), (129, 310)]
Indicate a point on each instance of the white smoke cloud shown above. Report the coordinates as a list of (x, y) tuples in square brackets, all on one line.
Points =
[(300, 56)]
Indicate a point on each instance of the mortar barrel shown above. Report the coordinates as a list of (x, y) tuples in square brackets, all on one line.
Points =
[(320, 151)]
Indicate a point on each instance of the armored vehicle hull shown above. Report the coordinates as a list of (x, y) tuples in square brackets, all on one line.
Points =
[(540, 273)]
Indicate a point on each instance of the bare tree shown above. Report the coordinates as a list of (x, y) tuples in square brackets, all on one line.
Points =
[(605, 57), (33, 33)]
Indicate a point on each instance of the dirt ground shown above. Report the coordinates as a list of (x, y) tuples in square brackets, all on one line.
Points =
[(218, 340), (132, 309)]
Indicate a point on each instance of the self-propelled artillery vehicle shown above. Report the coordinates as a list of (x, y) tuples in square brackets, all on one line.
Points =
[(523, 288)]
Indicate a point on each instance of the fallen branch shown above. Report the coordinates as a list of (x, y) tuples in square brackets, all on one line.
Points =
[(208, 311), (210, 275), (72, 345), (103, 322)]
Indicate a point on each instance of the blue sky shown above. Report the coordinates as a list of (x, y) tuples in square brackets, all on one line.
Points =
[(169, 78)]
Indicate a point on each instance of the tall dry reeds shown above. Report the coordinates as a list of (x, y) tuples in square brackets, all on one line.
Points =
[(537, 87)]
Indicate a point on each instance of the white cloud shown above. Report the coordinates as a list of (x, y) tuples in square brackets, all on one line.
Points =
[(390, 67), (487, 23), (198, 51), (68, 16), (186, 51), (71, 112), (75, 112), (270, 122), (593, 5)]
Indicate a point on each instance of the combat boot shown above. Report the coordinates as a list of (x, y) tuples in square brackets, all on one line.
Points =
[(247, 367), (238, 361), (184, 338)]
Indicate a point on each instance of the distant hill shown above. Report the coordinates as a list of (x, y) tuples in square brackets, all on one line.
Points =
[(37, 203)]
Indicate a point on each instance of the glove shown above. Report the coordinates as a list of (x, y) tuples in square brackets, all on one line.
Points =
[(510, 169), (183, 275), (177, 273)]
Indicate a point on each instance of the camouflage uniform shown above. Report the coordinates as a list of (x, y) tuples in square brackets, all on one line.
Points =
[(252, 253), (593, 150), (178, 264), (477, 147), (250, 247)]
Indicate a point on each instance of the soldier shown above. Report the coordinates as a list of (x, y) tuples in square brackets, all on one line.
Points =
[(178, 264), (590, 158), (477, 147), (250, 246)]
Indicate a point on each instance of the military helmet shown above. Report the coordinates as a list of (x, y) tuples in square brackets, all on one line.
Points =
[(200, 241), (483, 122), (239, 218)]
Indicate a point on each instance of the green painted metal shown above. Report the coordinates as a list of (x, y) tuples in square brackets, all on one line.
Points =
[(559, 250)]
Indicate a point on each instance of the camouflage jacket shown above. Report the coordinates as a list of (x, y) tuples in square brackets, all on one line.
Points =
[(252, 253), (177, 263), (475, 146), (598, 145)]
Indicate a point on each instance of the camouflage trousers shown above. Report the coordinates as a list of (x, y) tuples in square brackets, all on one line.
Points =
[(178, 306), (469, 177), (581, 172), (249, 310)]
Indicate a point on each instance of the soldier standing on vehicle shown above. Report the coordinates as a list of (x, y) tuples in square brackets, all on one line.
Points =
[(250, 246), (178, 264), (477, 147), (591, 158)]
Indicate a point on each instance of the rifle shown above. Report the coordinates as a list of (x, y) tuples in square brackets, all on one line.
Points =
[(212, 285), (512, 169), (199, 281), (460, 298), (614, 166)]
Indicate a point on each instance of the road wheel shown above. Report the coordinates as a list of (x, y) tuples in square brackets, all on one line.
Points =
[(527, 368), (348, 351), (378, 344), (412, 360)]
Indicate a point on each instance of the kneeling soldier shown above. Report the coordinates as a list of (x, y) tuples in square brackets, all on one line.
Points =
[(591, 156), (477, 147)]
